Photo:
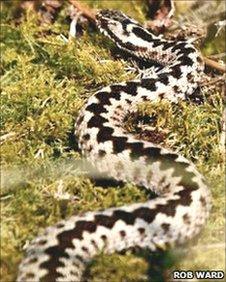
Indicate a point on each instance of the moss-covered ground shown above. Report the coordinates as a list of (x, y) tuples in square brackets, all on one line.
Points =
[(44, 82)]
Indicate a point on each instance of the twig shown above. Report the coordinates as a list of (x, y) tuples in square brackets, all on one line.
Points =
[(214, 65), (217, 56), (72, 31), (220, 25), (7, 136), (213, 81), (86, 12), (223, 133)]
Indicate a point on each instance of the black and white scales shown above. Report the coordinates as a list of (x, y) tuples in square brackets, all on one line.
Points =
[(183, 201)]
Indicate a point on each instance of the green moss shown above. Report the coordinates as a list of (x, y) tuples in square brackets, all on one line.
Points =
[(45, 82)]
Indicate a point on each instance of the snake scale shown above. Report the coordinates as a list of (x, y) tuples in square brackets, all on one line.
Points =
[(183, 200)]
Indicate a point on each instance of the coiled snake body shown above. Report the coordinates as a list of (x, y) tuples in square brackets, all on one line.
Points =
[(183, 201)]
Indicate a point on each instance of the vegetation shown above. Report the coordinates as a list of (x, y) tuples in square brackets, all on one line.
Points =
[(45, 80)]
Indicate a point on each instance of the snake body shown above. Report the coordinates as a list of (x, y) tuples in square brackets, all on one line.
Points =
[(183, 201)]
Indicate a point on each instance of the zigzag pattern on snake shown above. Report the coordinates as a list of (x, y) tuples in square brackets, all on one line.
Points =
[(183, 201)]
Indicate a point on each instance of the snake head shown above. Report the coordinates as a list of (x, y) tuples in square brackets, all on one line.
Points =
[(114, 24)]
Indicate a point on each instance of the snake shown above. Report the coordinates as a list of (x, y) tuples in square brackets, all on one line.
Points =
[(183, 201)]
